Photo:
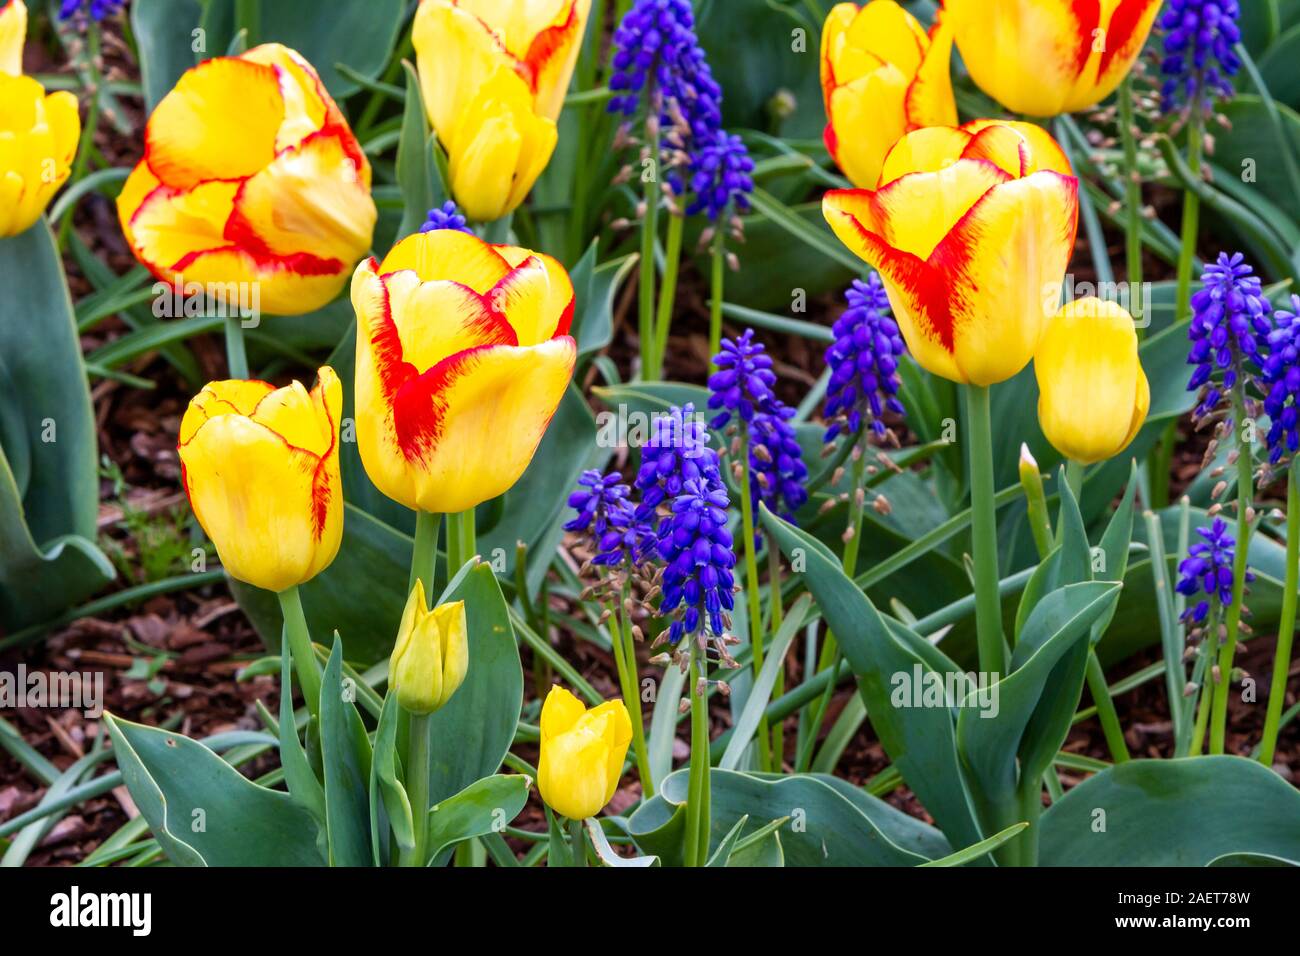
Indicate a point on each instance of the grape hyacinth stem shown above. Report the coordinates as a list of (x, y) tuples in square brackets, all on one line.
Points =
[(1286, 626), (717, 280), (753, 604), (698, 797), (631, 680), (649, 238), (668, 291), (1133, 200)]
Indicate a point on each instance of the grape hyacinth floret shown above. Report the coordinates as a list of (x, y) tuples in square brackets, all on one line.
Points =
[(607, 518), (721, 179), (1207, 570), (742, 385), (1281, 371), (777, 469), (446, 216), (1199, 57), (98, 9), (1229, 322), (677, 452), (697, 549), (864, 362)]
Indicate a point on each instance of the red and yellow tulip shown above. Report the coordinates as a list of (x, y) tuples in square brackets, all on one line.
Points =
[(463, 355), (261, 468), (582, 753), (970, 229), (251, 175), (882, 76), (494, 76), (1044, 57), (1092, 393), (38, 132)]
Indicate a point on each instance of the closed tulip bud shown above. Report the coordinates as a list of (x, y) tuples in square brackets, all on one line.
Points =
[(431, 655), (1044, 57), (1092, 393), (38, 132), (969, 230), (251, 175), (582, 753), (261, 468), (882, 75), (463, 355), (494, 76)]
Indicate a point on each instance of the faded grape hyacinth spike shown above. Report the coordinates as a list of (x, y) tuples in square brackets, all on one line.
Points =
[(882, 75), (1093, 395), (1229, 324), (1199, 61), (1281, 372), (261, 468), (863, 361), (1045, 57), (581, 753), (493, 77), (463, 355), (251, 179), (1207, 571), (973, 281)]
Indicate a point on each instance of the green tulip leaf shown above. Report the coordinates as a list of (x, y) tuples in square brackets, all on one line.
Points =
[(385, 775), (485, 806), (345, 753), (606, 853)]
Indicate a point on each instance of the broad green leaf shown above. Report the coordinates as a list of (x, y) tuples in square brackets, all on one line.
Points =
[(164, 36), (385, 775), (416, 172), (204, 812), (298, 774), (1182, 812), (594, 288), (485, 806), (979, 850), (345, 753), (606, 853)]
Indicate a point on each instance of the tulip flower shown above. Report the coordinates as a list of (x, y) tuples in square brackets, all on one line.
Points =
[(463, 355), (251, 175), (882, 76), (431, 656), (969, 229), (261, 468), (38, 132), (1092, 393), (494, 76), (1044, 57), (582, 753)]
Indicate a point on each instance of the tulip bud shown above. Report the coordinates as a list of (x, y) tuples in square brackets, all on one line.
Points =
[(1031, 480), (582, 753), (431, 654)]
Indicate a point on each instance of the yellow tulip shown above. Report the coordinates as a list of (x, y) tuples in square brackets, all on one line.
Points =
[(251, 175), (38, 132), (13, 33), (463, 355), (582, 753), (261, 468), (970, 230), (882, 76), (1044, 57), (431, 655), (1092, 393), (493, 74)]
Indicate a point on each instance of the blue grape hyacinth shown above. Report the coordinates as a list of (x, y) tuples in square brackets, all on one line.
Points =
[(677, 452), (776, 465), (1199, 57), (607, 518), (742, 385), (1207, 571), (697, 550), (446, 216), (1229, 324), (720, 176), (1281, 372), (863, 361), (98, 9)]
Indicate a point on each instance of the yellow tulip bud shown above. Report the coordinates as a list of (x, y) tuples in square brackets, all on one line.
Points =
[(582, 753), (970, 229), (431, 655), (882, 75), (493, 76), (1092, 393), (1044, 57), (13, 34), (261, 468)]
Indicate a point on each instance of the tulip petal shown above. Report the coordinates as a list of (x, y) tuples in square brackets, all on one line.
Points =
[(885, 29), (1127, 25), (1002, 146), (455, 52), (924, 151), (930, 100), (454, 638), (306, 104), (557, 312), (1002, 262), (281, 285), (435, 320), (918, 210), (219, 122), (448, 254), (571, 773), (1045, 152), (560, 711), (553, 53), (170, 226), (13, 34), (871, 110)]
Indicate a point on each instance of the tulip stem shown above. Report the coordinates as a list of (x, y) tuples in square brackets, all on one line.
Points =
[(984, 532), (418, 753), (236, 356), (1286, 626), (299, 640), (497, 231), (1133, 200), (649, 236), (424, 556), (697, 799), (668, 291), (462, 543), (1245, 483), (578, 843)]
